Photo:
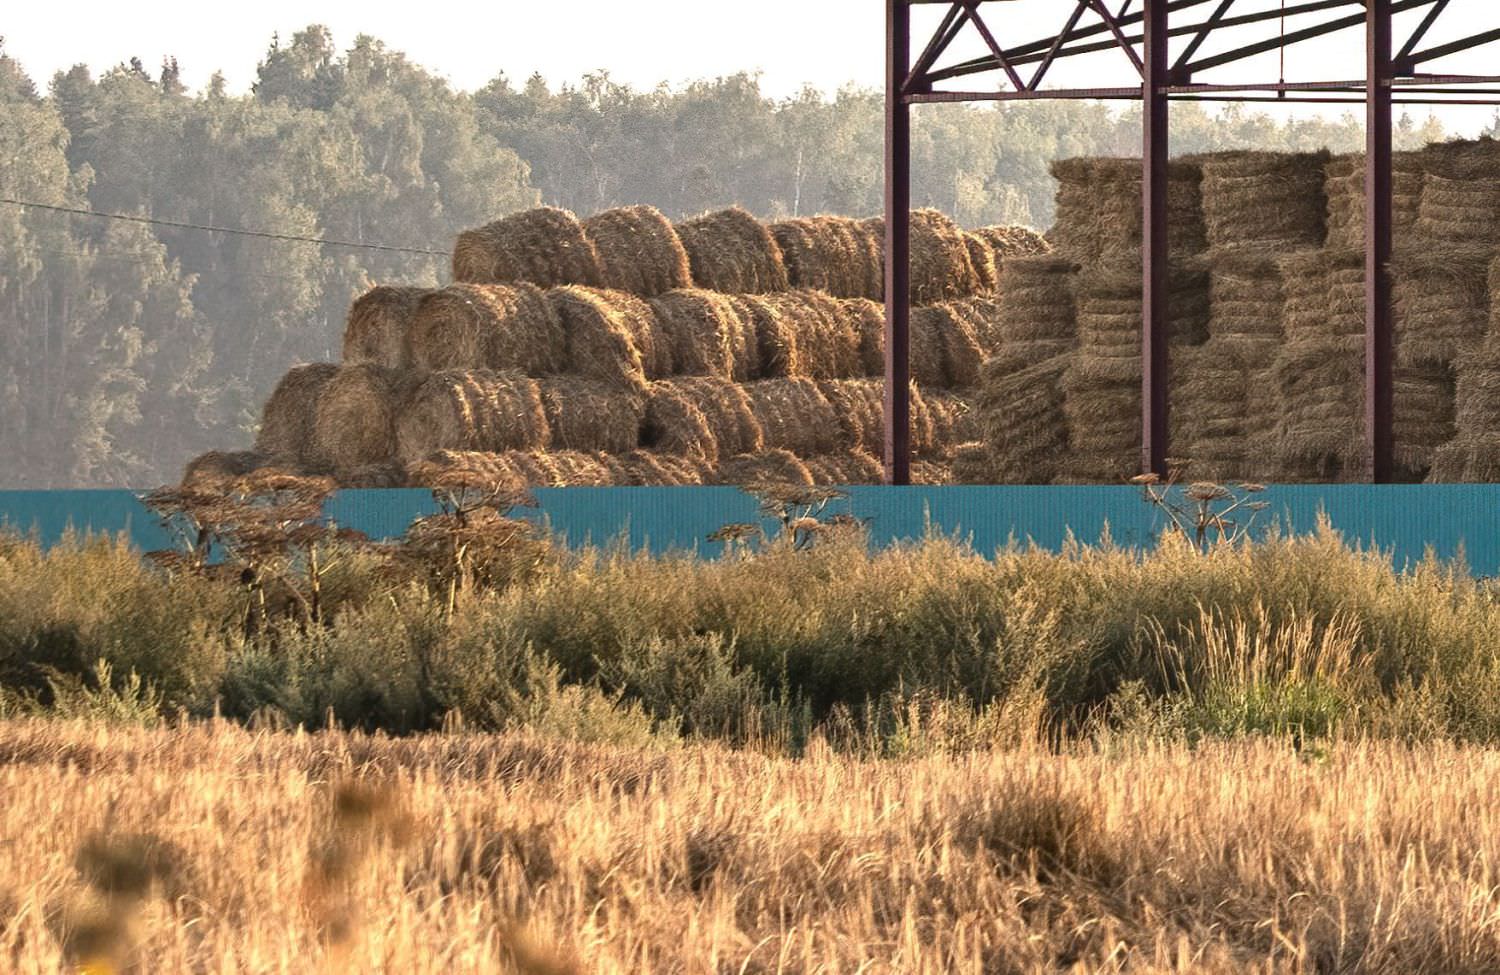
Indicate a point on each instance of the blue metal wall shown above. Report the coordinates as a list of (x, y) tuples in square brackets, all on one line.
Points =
[(1405, 520)]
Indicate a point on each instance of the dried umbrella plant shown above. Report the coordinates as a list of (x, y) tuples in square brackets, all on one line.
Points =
[(1203, 512)]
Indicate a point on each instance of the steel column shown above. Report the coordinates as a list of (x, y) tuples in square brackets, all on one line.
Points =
[(1378, 241), (897, 245), (1154, 321)]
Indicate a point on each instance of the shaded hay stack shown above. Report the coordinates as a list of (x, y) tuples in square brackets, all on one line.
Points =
[(545, 246), (1474, 453), (1265, 198), (1461, 194), (764, 467), (354, 422), (611, 336), (286, 427), (731, 252), (1013, 241), (1099, 209), (487, 326), (638, 251), (1442, 302), (475, 410), (837, 255), (982, 259), (808, 334), (1022, 426), (591, 415), (1344, 187), (705, 417), (939, 422), (376, 328), (1423, 420), (1320, 382), (941, 266), (1037, 316), (1109, 310), (1214, 425), (710, 334), (218, 469)]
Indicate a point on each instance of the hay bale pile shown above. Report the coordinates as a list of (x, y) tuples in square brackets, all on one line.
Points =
[(545, 247), (638, 251), (1266, 198), (1022, 426), (1344, 187), (1099, 209), (1036, 316), (1460, 202), (731, 252), (1474, 452), (376, 330)]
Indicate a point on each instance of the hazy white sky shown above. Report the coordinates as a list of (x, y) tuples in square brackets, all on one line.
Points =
[(826, 43)]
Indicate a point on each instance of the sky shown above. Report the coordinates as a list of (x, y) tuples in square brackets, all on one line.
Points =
[(792, 43)]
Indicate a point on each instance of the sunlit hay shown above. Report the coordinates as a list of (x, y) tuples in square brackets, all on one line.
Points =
[(807, 334), (487, 326), (1265, 198), (939, 421), (981, 316), (545, 246), (1344, 187), (1320, 382), (944, 420), (485, 466), (982, 259), (1013, 241), (763, 467), (1023, 430), (840, 256), (354, 423), (378, 321), (868, 320), (611, 336), (1102, 404), (733, 253), (702, 417), (1461, 195), (643, 468), (1099, 215), (944, 349), (1423, 420), (474, 410), (1471, 458), (567, 468), (794, 415), (844, 469), (931, 473), (591, 415), (286, 426), (710, 334), (1442, 302), (638, 251), (218, 469), (941, 268)]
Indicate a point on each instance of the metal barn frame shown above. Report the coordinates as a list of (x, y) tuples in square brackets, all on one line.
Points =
[(1142, 30)]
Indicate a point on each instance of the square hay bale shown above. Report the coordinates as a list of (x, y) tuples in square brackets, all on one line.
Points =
[(1022, 426), (1460, 202), (1099, 209), (1442, 300), (1245, 291), (1265, 197), (1344, 187)]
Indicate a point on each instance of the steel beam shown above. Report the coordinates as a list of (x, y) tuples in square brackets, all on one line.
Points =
[(897, 245), (1379, 381), (1155, 367)]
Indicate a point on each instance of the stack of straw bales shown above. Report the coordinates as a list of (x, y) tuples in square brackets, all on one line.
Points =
[(1265, 198), (1460, 202), (1036, 318), (1474, 452), (731, 252), (1099, 209), (1022, 425), (1344, 187)]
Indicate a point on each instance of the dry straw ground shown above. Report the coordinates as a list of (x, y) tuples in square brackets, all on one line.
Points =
[(212, 849)]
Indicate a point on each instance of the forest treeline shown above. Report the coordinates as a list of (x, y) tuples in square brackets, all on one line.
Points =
[(127, 347)]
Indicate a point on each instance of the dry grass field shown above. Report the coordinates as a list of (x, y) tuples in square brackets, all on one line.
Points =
[(210, 848)]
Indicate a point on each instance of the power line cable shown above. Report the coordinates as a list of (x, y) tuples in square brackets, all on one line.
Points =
[(77, 211)]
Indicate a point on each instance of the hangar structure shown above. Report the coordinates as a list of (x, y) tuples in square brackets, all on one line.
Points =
[(1158, 52)]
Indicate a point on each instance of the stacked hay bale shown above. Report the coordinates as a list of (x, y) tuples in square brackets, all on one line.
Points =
[(377, 325), (1036, 314), (1022, 425), (1460, 202), (286, 426), (638, 251), (1099, 215), (731, 252), (1344, 187), (1474, 452), (1265, 198), (545, 247), (1229, 400), (840, 256)]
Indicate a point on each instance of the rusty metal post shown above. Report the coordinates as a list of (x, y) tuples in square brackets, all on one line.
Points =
[(1379, 370), (897, 244), (1155, 367)]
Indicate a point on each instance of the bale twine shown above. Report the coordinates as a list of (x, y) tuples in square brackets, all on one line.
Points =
[(642, 468), (354, 422), (487, 326), (286, 426), (217, 469), (471, 410), (807, 334), (701, 416), (845, 469), (591, 415), (376, 328), (1442, 300), (840, 256), (1013, 241), (610, 336), (1319, 430), (982, 259), (1099, 208), (638, 250), (1344, 187), (763, 467), (793, 414), (710, 334), (731, 252), (1022, 426), (1461, 195), (941, 268), (545, 246), (1266, 198)]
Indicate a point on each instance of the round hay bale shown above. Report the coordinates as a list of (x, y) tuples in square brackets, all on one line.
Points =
[(701, 417), (591, 415), (944, 421), (638, 251), (383, 476), (793, 414), (930, 473), (982, 259), (983, 316), (474, 410), (286, 427), (568, 468), (545, 246), (487, 326), (376, 328), (845, 469), (1265, 197), (946, 347), (217, 469), (941, 269), (710, 334), (354, 422), (1013, 241), (731, 252), (611, 336), (488, 467), (937, 419), (840, 256), (763, 467), (1099, 208), (808, 334), (643, 468)]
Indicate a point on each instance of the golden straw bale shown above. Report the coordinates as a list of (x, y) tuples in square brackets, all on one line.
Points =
[(1344, 187), (1037, 300), (1320, 381), (983, 315), (763, 467), (700, 416), (286, 426), (376, 328), (488, 467), (545, 246), (471, 410), (643, 468), (1442, 300), (638, 251), (1022, 429), (941, 268), (845, 469), (1472, 458), (944, 421), (218, 469), (1322, 294), (591, 415), (1265, 197), (1099, 208), (931, 473), (840, 256), (938, 420), (807, 334), (732, 252), (793, 414), (354, 422), (982, 258), (1013, 241), (1423, 407), (1461, 194), (710, 334), (611, 336), (487, 326), (384, 475), (1244, 291), (568, 468)]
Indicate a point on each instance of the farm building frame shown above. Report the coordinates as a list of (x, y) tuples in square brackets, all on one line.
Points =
[(1143, 31)]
